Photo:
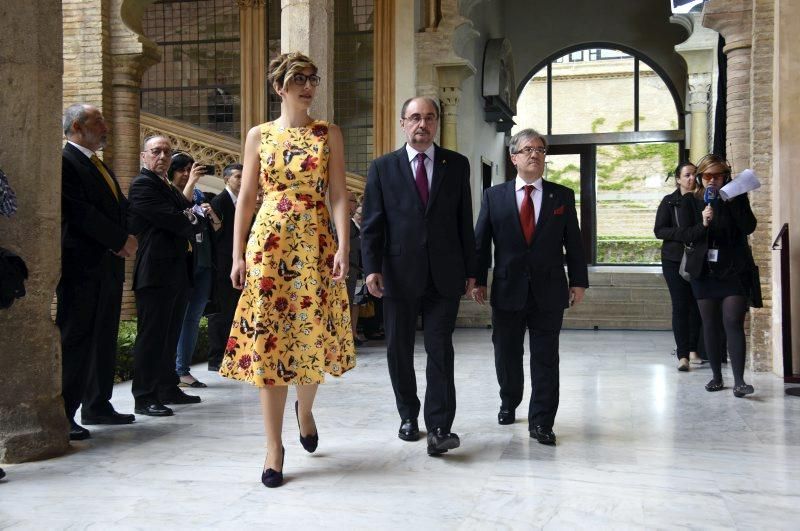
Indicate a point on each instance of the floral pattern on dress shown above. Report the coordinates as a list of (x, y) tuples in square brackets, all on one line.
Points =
[(292, 323)]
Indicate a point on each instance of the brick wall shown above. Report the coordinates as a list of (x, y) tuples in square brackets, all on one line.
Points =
[(761, 76)]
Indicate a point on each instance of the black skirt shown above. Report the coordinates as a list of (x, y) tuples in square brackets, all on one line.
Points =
[(712, 287)]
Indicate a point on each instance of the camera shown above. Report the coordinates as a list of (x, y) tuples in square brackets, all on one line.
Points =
[(209, 169)]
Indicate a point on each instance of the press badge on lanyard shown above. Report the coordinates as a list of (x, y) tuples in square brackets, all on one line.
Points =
[(713, 255)]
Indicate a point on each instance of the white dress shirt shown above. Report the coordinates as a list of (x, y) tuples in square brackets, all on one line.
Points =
[(412, 158), (234, 197), (536, 194), (88, 152)]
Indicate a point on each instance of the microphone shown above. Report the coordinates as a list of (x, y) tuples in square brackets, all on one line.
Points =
[(710, 195)]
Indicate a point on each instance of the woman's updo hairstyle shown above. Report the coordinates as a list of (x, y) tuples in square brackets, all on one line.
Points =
[(285, 66)]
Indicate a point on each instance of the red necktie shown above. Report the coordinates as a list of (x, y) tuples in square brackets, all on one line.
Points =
[(421, 178), (527, 215)]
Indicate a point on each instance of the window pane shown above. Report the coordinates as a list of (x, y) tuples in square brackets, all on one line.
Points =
[(656, 106), (353, 80), (593, 96), (532, 104), (631, 179), (198, 78), (566, 170)]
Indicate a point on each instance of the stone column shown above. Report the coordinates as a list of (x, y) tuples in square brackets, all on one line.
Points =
[(733, 20), (748, 29), (253, 48), (450, 77), (32, 420), (126, 82), (699, 90), (307, 27), (699, 51)]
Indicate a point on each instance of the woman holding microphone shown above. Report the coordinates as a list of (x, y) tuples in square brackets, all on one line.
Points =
[(720, 265)]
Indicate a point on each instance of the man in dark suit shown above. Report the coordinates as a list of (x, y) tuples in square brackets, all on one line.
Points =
[(94, 245), (227, 297), (418, 253), (164, 223), (532, 223)]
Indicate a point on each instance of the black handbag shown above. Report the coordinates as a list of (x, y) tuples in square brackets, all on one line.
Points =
[(687, 250), (755, 300)]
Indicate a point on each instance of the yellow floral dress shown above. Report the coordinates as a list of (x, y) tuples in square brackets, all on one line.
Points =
[(292, 323)]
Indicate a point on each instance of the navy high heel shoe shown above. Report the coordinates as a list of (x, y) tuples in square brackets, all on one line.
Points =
[(273, 478), (309, 442)]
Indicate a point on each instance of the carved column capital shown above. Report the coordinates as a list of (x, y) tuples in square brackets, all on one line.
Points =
[(733, 19), (449, 97), (250, 3), (699, 89)]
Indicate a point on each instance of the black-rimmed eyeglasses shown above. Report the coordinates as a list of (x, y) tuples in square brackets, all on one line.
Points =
[(301, 79)]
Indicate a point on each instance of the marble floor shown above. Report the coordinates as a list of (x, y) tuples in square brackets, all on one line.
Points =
[(640, 446)]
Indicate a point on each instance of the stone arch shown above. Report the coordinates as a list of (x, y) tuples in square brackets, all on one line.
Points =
[(677, 95)]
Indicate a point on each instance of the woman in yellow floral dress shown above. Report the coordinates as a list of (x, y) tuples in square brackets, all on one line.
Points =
[(292, 323)]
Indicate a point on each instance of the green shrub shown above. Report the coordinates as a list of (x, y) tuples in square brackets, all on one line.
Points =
[(126, 339), (627, 250)]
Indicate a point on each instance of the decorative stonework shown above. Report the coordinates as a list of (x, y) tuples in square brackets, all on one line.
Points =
[(204, 146), (437, 48), (699, 90), (450, 77)]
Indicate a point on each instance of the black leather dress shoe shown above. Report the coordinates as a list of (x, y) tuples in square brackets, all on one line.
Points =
[(439, 441), (176, 396), (506, 416), (112, 418), (409, 430), (153, 410), (544, 435), (77, 433)]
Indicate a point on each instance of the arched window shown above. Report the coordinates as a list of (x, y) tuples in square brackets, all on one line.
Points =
[(615, 135)]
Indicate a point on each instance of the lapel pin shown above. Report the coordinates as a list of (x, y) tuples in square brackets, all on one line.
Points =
[(551, 196)]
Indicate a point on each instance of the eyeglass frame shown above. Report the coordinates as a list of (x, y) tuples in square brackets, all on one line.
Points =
[(417, 118), (529, 150), (314, 79)]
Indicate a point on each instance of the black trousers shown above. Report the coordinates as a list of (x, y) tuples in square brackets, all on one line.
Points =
[(88, 318), (686, 323), (508, 337), (439, 320), (219, 324), (160, 313)]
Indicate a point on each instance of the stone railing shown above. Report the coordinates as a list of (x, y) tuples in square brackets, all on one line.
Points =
[(204, 146)]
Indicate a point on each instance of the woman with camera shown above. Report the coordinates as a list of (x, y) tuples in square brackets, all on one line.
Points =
[(685, 315), (721, 266), (184, 173)]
